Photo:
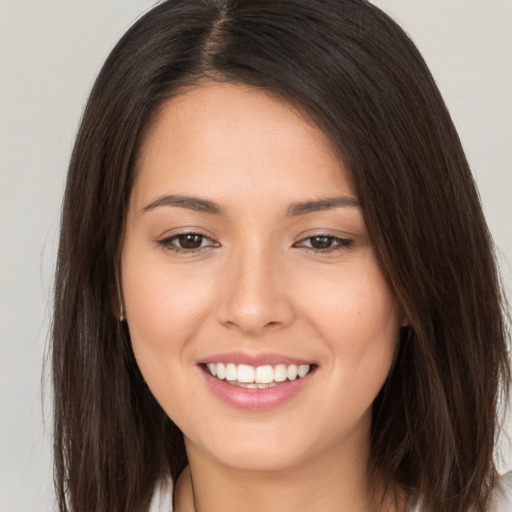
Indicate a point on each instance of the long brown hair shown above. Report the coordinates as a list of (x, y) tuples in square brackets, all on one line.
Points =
[(350, 68)]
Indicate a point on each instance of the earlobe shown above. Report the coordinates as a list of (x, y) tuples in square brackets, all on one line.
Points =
[(120, 303), (121, 313), (117, 307), (117, 302)]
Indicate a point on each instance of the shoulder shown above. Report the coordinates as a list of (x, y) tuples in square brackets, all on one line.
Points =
[(502, 496), (501, 499)]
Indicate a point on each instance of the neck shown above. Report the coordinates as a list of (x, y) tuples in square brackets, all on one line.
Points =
[(332, 482)]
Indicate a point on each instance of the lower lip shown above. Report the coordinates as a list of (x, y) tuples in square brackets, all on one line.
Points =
[(255, 399)]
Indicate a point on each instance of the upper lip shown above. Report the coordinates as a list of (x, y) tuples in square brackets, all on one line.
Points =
[(260, 359)]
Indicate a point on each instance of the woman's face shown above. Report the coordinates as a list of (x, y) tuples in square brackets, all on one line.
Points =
[(246, 255)]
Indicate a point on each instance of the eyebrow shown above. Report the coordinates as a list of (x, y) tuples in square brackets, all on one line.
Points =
[(206, 206), (303, 208), (188, 202)]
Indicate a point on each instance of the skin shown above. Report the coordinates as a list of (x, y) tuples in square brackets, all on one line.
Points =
[(256, 284)]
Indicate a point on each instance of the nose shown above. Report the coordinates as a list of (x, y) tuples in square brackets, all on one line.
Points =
[(254, 296)]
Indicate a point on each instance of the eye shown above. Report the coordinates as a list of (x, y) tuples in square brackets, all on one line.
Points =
[(325, 243), (186, 242)]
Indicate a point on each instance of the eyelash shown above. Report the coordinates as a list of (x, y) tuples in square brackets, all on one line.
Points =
[(339, 243), (336, 243), (168, 242)]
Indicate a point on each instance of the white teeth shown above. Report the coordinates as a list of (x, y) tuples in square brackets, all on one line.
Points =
[(303, 370), (212, 368), (280, 372), (264, 374), (259, 377), (221, 371), (291, 372), (245, 373), (231, 372)]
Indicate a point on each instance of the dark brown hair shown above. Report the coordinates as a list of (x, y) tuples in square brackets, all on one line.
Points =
[(350, 68)]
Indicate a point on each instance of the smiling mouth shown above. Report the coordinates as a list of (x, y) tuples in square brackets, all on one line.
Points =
[(257, 377)]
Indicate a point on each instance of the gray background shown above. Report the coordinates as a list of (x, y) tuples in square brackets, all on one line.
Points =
[(50, 52)]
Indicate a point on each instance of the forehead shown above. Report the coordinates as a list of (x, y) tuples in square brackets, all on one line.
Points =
[(231, 136)]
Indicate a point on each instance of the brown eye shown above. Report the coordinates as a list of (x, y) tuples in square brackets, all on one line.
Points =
[(325, 243), (321, 242), (187, 242), (190, 241)]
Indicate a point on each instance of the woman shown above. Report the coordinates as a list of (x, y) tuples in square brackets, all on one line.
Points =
[(275, 289)]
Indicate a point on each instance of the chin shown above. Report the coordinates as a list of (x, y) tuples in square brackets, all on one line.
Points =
[(269, 447), (259, 458)]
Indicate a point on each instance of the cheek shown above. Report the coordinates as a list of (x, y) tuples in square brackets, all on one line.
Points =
[(163, 308), (160, 305), (369, 345), (162, 311), (359, 320), (353, 305)]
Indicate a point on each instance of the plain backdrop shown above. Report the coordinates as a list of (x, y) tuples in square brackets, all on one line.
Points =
[(50, 53)]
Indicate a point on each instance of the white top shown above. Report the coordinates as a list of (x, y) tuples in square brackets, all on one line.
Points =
[(501, 500)]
